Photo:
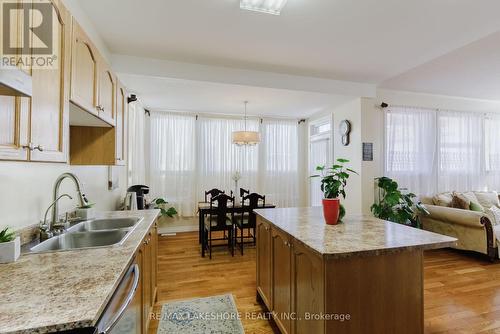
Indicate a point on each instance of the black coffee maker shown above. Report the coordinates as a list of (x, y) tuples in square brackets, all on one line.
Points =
[(140, 190)]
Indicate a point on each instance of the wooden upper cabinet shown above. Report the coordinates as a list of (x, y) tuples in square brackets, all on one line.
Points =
[(50, 100), (14, 112), (84, 70), (107, 93), (14, 131), (120, 125)]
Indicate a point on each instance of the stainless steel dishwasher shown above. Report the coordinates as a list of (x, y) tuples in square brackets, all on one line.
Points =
[(124, 311)]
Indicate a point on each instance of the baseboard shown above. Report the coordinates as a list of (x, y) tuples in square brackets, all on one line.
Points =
[(177, 229)]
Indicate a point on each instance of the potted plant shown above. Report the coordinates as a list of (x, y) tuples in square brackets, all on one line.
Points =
[(161, 203), (396, 206), (333, 183), (10, 246)]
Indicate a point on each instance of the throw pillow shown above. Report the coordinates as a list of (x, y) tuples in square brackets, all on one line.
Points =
[(459, 203), (487, 198), (468, 197), (442, 199), (475, 207)]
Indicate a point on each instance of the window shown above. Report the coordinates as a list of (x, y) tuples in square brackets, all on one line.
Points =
[(190, 155), (429, 151)]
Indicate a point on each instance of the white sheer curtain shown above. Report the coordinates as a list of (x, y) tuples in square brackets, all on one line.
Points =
[(411, 148), (429, 151), (172, 169), (461, 147), (280, 162), (190, 155), (492, 150), (219, 158), (136, 166)]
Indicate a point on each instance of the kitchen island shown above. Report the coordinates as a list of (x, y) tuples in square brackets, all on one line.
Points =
[(364, 275)]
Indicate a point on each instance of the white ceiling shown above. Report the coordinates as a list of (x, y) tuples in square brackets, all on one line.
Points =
[(471, 71), (357, 40), (419, 45), (206, 97)]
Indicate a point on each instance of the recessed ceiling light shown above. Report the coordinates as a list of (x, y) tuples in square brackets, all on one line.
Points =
[(265, 6)]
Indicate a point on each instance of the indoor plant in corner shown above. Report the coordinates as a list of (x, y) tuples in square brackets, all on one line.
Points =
[(333, 183), (10, 246), (395, 205)]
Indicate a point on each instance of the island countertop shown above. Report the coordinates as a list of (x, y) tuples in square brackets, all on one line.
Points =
[(357, 235), (47, 292)]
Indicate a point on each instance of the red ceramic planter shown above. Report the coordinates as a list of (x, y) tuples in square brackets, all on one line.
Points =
[(331, 210)]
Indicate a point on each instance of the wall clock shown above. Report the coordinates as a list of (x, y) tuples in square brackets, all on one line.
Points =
[(345, 130)]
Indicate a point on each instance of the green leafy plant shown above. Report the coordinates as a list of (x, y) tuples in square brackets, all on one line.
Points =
[(334, 180), (395, 206), (160, 203), (7, 235)]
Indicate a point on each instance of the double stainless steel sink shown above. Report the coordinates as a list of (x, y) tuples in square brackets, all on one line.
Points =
[(90, 234)]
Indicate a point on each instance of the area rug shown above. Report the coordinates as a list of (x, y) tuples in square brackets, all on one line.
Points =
[(217, 314)]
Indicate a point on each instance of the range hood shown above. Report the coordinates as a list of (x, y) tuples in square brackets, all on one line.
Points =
[(15, 82)]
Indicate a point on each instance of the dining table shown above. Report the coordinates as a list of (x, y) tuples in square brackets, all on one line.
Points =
[(204, 209)]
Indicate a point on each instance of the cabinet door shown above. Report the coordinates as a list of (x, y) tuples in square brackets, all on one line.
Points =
[(14, 111), (83, 70), (50, 100), (14, 128), (107, 96), (121, 104), (307, 290), (154, 263), (146, 286), (264, 258), (281, 249)]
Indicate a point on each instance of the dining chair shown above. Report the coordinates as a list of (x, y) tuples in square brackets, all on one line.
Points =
[(213, 192), (243, 192), (247, 219), (220, 219)]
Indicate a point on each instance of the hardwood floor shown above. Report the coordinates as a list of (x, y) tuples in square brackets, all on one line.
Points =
[(462, 290)]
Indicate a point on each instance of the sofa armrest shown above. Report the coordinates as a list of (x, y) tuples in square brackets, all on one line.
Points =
[(455, 216)]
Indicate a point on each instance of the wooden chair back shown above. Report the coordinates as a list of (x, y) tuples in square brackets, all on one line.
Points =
[(212, 192), (219, 209), (249, 203)]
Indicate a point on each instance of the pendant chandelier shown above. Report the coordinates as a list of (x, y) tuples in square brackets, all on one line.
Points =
[(246, 138)]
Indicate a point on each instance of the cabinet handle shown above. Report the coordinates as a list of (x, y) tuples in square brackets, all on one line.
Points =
[(30, 147), (39, 147)]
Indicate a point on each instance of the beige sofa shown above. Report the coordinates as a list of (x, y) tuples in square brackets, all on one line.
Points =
[(475, 231)]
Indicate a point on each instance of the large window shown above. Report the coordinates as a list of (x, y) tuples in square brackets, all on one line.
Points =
[(429, 151), (192, 154)]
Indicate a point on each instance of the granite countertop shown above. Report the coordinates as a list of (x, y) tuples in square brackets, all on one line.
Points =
[(47, 292), (357, 235)]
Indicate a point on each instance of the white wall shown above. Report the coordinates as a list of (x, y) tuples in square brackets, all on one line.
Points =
[(27, 190), (351, 111)]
